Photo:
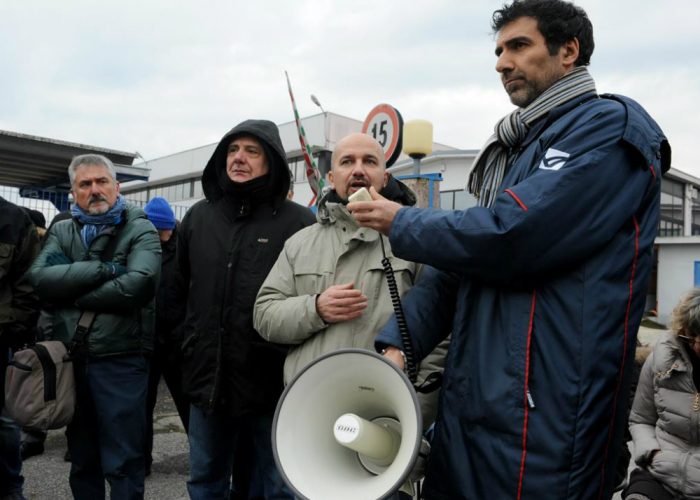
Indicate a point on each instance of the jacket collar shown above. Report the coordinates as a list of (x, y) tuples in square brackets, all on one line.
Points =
[(337, 214), (670, 356)]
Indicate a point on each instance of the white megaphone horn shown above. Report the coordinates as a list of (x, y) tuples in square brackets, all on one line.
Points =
[(348, 427)]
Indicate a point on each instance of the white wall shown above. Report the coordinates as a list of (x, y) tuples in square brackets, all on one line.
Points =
[(676, 272)]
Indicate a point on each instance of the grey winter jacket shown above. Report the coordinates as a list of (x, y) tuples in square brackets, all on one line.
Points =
[(665, 416)]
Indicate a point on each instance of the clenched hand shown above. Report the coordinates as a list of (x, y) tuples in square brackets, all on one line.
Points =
[(341, 303)]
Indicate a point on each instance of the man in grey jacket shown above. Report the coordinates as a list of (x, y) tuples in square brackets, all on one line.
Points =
[(328, 290)]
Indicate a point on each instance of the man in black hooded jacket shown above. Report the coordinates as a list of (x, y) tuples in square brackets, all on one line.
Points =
[(226, 246)]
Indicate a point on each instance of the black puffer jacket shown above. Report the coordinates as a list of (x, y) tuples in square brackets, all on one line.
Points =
[(226, 247), (169, 310), (19, 245)]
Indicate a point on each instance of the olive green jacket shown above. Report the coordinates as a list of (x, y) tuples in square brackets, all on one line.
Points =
[(125, 307)]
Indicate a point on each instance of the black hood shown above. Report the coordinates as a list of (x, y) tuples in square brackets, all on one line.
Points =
[(267, 133)]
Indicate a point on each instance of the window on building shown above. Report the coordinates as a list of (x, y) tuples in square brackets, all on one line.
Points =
[(671, 220), (298, 166), (197, 193), (695, 212)]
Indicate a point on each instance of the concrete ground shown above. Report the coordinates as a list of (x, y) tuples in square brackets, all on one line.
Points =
[(648, 336), (46, 475)]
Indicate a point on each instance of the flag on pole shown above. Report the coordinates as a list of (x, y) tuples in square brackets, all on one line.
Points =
[(312, 173)]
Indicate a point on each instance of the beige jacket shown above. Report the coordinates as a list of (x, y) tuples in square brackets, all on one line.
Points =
[(331, 252)]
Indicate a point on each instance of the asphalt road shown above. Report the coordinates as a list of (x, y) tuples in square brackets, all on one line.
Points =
[(46, 475)]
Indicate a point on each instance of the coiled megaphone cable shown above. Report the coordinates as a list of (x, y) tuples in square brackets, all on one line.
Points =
[(411, 369)]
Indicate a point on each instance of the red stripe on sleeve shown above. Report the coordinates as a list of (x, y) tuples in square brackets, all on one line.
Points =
[(517, 200)]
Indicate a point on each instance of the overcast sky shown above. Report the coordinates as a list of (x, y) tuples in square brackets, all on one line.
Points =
[(159, 76)]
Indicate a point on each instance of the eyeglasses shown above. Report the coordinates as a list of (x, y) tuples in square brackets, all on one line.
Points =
[(691, 341)]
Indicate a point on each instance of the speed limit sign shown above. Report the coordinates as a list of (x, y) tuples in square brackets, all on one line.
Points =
[(385, 124)]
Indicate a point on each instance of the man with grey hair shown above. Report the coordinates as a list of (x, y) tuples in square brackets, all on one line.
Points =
[(106, 262)]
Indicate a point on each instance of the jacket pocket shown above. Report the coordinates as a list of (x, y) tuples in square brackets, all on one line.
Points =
[(254, 263), (311, 278), (692, 483), (375, 281), (190, 340), (666, 467)]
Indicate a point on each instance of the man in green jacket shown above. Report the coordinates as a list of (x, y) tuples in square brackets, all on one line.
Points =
[(106, 260)]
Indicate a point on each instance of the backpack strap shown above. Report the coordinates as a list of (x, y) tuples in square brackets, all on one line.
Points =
[(78, 346), (49, 369)]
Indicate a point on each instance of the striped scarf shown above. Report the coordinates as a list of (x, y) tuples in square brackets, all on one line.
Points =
[(490, 166)]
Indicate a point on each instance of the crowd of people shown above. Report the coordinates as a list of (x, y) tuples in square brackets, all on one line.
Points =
[(530, 301)]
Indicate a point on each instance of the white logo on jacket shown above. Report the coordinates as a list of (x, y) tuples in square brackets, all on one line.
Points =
[(554, 159)]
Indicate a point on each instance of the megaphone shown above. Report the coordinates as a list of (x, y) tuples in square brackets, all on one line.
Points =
[(348, 426)]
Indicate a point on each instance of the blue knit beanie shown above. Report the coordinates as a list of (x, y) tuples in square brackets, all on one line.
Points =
[(159, 213)]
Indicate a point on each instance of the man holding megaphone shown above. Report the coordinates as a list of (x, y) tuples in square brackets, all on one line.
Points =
[(328, 288), (544, 283)]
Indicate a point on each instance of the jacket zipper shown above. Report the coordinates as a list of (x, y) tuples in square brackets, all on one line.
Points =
[(222, 316)]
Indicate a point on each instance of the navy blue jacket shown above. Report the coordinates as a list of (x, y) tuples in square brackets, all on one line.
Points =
[(544, 293)]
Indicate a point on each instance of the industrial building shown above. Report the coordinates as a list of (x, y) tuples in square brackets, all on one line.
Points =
[(35, 168)]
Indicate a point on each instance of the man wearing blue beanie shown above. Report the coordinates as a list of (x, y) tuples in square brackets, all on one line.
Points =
[(167, 355), (160, 214)]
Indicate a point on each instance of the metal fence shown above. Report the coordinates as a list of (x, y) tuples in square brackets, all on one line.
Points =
[(50, 211), (45, 207), (178, 210)]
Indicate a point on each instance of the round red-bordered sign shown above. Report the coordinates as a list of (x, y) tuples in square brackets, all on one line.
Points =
[(385, 124)]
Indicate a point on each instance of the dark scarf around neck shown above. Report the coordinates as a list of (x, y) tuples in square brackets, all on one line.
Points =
[(245, 195)]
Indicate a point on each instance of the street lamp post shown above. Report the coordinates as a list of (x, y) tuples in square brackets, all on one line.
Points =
[(418, 143)]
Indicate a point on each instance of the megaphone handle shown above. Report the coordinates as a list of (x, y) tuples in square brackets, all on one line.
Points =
[(411, 370)]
